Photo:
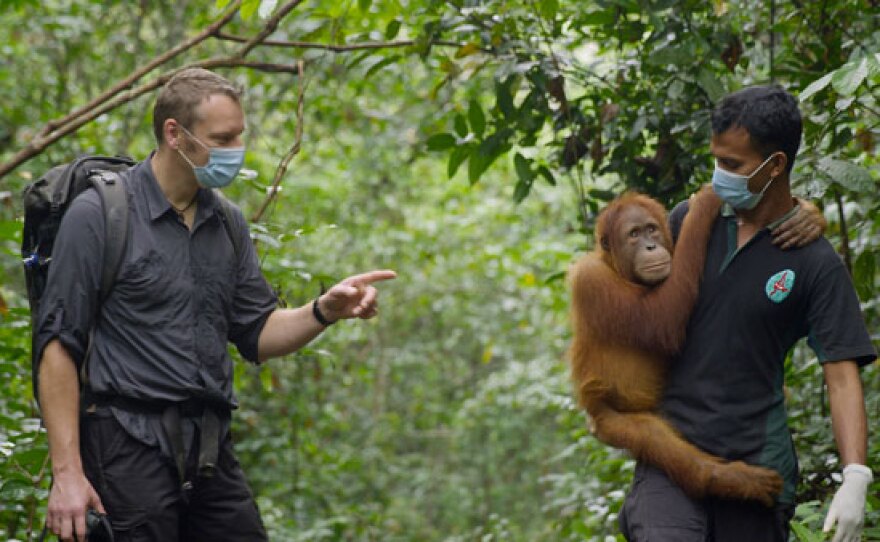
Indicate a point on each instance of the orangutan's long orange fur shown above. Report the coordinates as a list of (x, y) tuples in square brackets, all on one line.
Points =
[(624, 332)]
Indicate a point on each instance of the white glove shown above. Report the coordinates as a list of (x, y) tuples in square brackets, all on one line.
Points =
[(848, 505)]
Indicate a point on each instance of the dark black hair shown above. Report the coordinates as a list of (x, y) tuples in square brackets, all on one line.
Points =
[(768, 113)]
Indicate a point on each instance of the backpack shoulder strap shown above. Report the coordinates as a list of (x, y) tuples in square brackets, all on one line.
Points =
[(111, 188), (114, 202), (229, 223)]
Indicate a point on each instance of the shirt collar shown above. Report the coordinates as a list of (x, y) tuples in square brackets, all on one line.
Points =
[(728, 212), (784, 217), (158, 204)]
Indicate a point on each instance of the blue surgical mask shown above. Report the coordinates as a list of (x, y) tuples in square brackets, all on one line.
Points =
[(734, 189), (222, 167)]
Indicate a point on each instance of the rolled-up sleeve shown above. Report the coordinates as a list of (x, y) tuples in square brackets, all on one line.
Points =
[(254, 299), (67, 308)]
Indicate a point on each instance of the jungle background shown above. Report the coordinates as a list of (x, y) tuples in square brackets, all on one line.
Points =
[(468, 145)]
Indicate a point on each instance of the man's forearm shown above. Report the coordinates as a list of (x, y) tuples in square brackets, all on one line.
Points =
[(59, 402), (848, 418), (288, 330)]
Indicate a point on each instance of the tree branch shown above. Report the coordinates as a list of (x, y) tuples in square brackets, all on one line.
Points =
[(117, 95), (270, 27), (150, 66), (40, 143), (337, 48), (124, 91), (294, 149)]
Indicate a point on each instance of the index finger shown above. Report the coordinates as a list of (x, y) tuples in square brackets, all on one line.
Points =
[(371, 277)]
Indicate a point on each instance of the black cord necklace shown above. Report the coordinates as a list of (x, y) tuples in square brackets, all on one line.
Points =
[(181, 211)]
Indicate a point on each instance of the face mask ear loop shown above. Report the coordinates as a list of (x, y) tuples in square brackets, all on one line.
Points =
[(197, 140), (180, 152), (766, 186), (772, 178), (188, 161)]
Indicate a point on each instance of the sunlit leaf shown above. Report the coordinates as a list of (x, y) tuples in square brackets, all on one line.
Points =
[(815, 87), (847, 79), (487, 354), (466, 50), (844, 102), (248, 8)]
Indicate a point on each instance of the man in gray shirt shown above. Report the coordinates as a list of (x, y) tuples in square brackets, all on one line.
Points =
[(148, 439)]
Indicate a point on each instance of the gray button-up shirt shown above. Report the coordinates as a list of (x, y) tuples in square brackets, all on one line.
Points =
[(179, 297)]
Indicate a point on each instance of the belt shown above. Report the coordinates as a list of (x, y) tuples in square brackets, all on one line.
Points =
[(171, 413)]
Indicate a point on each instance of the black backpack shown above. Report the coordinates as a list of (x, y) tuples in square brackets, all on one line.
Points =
[(46, 201)]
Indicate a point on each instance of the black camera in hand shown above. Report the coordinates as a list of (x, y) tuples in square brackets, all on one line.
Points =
[(98, 528)]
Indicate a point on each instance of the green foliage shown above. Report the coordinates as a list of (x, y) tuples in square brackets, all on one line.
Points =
[(471, 157), (23, 446)]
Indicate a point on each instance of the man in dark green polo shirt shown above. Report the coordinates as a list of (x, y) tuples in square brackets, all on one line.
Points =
[(756, 301)]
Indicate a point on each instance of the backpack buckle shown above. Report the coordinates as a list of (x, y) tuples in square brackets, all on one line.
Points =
[(34, 261), (101, 174)]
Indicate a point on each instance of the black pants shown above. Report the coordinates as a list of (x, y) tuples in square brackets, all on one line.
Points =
[(141, 490), (657, 510)]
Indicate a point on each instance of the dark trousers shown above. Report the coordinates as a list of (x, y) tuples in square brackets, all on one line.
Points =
[(142, 492), (657, 510)]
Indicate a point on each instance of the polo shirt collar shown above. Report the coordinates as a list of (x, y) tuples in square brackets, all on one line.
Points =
[(728, 212), (784, 217)]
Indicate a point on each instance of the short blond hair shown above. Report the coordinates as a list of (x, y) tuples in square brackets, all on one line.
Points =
[(182, 94)]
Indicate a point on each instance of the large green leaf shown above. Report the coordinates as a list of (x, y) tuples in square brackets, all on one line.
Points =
[(548, 8), (523, 168), (815, 87), (248, 8), (851, 176), (476, 118), (439, 142), (392, 29), (461, 127), (456, 157), (711, 82), (847, 79)]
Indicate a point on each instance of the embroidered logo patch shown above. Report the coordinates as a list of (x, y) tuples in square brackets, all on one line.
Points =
[(779, 285)]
